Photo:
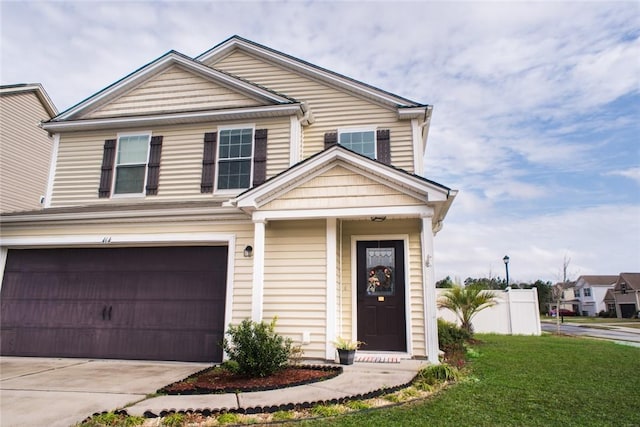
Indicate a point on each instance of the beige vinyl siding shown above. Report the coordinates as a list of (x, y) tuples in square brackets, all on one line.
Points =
[(410, 227), (79, 162), (242, 229), (328, 191), (331, 108), (25, 152), (175, 89), (295, 281)]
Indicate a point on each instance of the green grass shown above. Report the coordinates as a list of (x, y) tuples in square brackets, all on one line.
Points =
[(528, 381)]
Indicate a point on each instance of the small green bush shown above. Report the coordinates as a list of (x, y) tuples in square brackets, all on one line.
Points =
[(111, 419), (228, 418), (435, 374), (173, 420), (256, 348), (450, 334)]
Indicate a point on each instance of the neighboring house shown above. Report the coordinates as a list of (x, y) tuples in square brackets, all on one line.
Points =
[(568, 299), (25, 148), (590, 291), (244, 183), (626, 295)]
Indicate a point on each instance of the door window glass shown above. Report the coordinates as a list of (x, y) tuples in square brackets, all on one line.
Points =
[(380, 271)]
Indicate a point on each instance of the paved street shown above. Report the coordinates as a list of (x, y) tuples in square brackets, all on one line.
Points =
[(609, 332)]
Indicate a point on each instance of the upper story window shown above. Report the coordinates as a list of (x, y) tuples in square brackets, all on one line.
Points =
[(577, 293), (131, 164), (361, 141), (587, 292), (235, 150)]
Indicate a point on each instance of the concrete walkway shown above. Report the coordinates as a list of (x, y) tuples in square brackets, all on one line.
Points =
[(57, 392), (357, 380)]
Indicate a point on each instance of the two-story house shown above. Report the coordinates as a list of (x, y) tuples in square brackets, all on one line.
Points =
[(590, 292), (244, 183), (624, 297), (25, 148)]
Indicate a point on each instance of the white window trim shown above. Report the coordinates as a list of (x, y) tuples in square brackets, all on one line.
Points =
[(114, 195), (234, 191), (373, 129)]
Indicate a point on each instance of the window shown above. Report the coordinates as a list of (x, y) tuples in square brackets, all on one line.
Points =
[(360, 141), (131, 164), (235, 157), (587, 292), (577, 293)]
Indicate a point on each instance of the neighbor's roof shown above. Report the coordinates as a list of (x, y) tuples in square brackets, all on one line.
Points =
[(598, 280), (37, 88)]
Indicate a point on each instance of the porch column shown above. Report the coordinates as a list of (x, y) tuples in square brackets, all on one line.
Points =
[(257, 293), (429, 292), (331, 292)]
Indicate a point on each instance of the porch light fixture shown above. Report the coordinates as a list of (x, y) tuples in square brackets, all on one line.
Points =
[(378, 218), (506, 267), (248, 251)]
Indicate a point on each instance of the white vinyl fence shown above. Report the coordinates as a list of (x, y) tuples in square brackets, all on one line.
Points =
[(515, 314)]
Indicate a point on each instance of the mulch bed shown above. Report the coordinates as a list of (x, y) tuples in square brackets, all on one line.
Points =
[(216, 380)]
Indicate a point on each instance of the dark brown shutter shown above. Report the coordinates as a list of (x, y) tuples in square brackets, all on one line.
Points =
[(260, 157), (384, 146), (153, 171), (209, 162), (330, 139), (106, 174)]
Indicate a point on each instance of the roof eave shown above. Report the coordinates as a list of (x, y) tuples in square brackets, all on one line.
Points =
[(175, 118)]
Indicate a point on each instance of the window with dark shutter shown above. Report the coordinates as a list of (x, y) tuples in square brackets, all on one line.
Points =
[(383, 146), (330, 139), (153, 168), (209, 162), (260, 157), (106, 173)]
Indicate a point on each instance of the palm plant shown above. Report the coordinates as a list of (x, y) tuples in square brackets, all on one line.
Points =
[(466, 302)]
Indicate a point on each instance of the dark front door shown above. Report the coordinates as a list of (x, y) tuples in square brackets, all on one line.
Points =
[(162, 303), (381, 295)]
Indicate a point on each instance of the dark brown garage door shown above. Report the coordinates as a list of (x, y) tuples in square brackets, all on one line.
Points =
[(162, 303)]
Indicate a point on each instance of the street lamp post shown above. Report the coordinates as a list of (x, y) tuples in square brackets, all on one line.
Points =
[(506, 267)]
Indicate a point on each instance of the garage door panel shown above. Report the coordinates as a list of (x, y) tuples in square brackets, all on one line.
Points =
[(132, 303)]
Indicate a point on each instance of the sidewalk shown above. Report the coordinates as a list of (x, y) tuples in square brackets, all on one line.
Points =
[(358, 380)]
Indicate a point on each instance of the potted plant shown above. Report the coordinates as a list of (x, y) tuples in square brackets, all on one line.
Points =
[(346, 350)]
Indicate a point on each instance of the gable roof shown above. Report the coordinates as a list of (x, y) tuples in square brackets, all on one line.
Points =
[(596, 280), (160, 64), (632, 280), (431, 193), (39, 91), (406, 107)]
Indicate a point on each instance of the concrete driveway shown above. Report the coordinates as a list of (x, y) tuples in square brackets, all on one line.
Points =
[(62, 392)]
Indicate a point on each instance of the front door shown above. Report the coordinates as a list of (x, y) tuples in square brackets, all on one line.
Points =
[(381, 295)]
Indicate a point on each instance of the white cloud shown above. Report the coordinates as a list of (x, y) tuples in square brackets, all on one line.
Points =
[(632, 173)]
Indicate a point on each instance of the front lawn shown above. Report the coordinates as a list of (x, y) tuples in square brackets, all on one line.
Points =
[(528, 381)]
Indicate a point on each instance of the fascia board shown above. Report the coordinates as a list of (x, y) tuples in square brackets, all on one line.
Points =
[(159, 65), (421, 211), (175, 118), (305, 68)]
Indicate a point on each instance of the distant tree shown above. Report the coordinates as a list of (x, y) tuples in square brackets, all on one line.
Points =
[(445, 283), (486, 283), (544, 290), (466, 302)]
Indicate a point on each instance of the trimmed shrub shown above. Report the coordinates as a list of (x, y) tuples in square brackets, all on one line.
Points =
[(256, 348)]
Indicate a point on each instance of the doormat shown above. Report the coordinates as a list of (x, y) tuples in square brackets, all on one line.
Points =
[(377, 359)]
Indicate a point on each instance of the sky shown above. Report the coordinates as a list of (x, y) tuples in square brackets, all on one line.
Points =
[(536, 118)]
